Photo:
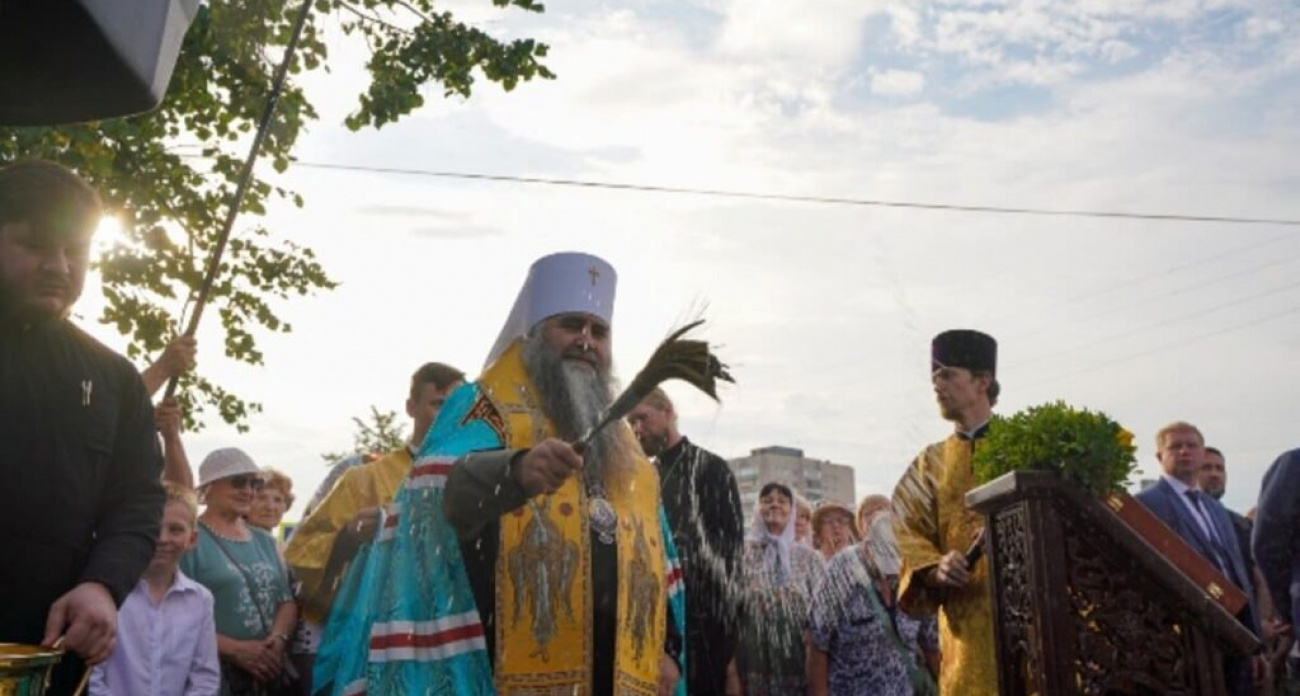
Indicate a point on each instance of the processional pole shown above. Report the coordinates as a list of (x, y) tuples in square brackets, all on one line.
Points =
[(245, 176)]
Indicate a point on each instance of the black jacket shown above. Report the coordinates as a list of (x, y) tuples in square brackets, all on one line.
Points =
[(1275, 539), (80, 498)]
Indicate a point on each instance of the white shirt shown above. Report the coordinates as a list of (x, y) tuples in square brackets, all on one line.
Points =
[(970, 434), (163, 649)]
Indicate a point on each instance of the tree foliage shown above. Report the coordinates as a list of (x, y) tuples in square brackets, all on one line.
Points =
[(380, 434), (169, 174)]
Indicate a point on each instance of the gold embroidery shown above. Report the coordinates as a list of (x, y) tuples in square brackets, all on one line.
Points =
[(542, 570), (643, 589), (484, 410)]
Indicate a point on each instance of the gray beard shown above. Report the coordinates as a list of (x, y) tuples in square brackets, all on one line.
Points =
[(574, 397)]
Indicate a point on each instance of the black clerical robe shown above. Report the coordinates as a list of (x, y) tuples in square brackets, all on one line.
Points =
[(702, 503)]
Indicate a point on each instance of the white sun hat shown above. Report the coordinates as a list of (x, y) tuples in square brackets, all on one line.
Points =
[(224, 463)]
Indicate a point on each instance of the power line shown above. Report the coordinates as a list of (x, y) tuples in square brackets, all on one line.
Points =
[(1233, 251), (791, 198), (1200, 311), (1197, 284), (1168, 347)]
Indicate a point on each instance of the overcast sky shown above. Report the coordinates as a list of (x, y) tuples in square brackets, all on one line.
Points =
[(826, 311)]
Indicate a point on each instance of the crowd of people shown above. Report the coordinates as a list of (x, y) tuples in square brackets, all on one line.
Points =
[(518, 543)]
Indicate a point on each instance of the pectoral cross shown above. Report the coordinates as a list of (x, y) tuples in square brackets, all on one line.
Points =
[(595, 275), (87, 387)]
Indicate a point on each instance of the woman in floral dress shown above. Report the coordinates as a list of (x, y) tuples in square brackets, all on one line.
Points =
[(860, 644)]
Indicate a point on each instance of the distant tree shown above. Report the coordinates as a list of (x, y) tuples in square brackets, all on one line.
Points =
[(169, 174), (380, 433)]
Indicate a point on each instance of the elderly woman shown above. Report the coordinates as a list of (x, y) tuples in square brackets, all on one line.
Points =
[(802, 521), (238, 563), (859, 643), (833, 529), (868, 508), (779, 578), (275, 499)]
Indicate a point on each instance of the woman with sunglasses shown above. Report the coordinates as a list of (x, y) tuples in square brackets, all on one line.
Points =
[(239, 564)]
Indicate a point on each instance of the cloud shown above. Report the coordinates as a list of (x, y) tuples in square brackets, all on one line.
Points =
[(409, 211), (902, 83), (816, 36), (449, 233), (450, 224), (825, 311), (1261, 27)]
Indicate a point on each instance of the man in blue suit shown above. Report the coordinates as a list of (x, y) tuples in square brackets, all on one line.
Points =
[(1276, 537), (1203, 523)]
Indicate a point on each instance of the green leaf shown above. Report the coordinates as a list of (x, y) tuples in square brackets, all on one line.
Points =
[(1083, 446), (218, 90)]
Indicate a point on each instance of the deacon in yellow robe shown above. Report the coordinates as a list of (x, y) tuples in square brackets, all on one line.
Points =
[(327, 539), (935, 529), (335, 524)]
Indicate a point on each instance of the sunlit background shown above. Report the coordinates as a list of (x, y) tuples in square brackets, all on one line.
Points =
[(826, 311)]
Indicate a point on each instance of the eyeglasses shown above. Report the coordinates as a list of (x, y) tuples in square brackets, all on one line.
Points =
[(247, 481)]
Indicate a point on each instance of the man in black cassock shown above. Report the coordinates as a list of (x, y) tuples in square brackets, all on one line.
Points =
[(702, 503), (81, 503)]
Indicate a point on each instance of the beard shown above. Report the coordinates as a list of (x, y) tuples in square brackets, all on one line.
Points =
[(574, 395), (654, 444), (949, 410)]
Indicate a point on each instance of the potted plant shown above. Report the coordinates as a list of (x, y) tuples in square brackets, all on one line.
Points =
[(1082, 446)]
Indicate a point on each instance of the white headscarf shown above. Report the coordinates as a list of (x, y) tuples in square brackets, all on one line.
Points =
[(560, 283), (882, 544), (760, 534)]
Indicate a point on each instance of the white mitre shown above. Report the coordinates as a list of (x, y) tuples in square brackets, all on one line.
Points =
[(561, 283)]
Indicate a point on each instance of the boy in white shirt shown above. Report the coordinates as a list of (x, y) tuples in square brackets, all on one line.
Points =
[(166, 638)]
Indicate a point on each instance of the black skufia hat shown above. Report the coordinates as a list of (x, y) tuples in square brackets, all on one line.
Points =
[(973, 350)]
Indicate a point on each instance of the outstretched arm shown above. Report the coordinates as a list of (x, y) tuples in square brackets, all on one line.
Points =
[(481, 488), (177, 358), (176, 464)]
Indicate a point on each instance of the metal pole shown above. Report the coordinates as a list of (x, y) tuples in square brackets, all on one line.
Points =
[(245, 176)]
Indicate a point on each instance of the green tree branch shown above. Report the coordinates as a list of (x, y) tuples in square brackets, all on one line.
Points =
[(218, 89)]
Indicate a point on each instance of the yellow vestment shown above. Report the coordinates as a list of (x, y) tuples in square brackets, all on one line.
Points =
[(931, 519), (370, 485), (543, 569)]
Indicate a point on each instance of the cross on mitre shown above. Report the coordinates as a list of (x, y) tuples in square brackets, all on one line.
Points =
[(595, 275)]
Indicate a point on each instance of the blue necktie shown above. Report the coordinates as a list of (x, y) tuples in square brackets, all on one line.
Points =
[(1215, 543)]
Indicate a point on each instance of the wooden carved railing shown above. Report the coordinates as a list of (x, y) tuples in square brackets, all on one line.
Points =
[(1083, 604)]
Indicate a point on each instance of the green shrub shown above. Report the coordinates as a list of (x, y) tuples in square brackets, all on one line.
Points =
[(1083, 446)]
